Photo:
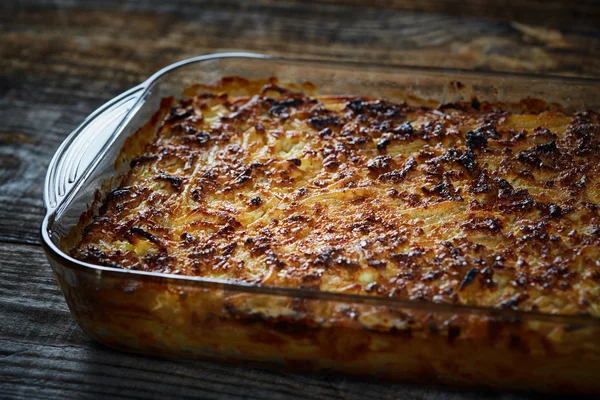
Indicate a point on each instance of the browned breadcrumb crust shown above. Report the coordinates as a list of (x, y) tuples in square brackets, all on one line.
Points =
[(463, 203)]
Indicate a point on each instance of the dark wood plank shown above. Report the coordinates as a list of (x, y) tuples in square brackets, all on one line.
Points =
[(119, 39), (31, 304), (556, 13), (37, 114), (43, 354), (35, 371)]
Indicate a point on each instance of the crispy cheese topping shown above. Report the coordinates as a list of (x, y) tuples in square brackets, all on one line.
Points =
[(461, 203)]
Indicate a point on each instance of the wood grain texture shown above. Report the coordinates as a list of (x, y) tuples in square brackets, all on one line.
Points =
[(61, 59), (43, 354), (551, 13), (36, 371)]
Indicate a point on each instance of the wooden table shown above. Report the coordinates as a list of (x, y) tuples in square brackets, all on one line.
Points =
[(61, 59)]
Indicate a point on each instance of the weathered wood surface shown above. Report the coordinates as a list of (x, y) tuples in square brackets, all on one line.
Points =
[(60, 59), (43, 354)]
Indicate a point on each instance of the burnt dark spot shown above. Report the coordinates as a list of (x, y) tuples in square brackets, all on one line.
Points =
[(159, 261), (325, 257), (512, 302), (302, 192), (468, 161), (243, 176), (444, 190), (202, 137), (260, 128), (117, 194), (187, 238), (506, 190), (255, 201), (374, 108), (379, 163), (554, 211), (273, 259), (196, 194), (547, 148), (272, 87), (185, 129), (469, 278), (258, 244), (279, 111), (229, 248), (93, 255), (293, 102), (357, 140), (296, 161), (492, 225), (534, 155), (404, 259), (476, 139), (145, 158), (394, 111), (433, 130), (431, 276), (175, 181), (530, 157), (324, 122), (383, 143), (226, 229), (178, 113), (520, 205), (483, 184), (404, 129), (356, 105), (325, 133), (586, 138), (399, 174), (298, 218), (371, 287), (136, 230), (384, 126), (192, 135)]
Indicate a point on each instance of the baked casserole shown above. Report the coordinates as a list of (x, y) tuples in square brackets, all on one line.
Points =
[(269, 184)]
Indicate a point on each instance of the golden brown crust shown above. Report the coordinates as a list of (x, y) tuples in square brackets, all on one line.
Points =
[(463, 203)]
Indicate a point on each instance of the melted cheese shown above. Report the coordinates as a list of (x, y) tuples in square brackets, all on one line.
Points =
[(262, 184)]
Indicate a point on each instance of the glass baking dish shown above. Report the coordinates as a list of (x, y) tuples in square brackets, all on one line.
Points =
[(186, 316)]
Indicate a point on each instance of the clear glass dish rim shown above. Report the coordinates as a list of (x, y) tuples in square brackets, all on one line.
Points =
[(56, 254)]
